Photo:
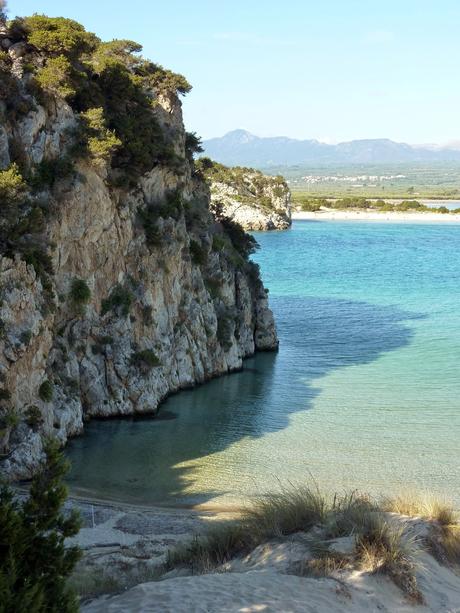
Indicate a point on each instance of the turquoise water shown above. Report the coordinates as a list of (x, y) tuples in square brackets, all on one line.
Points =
[(363, 394)]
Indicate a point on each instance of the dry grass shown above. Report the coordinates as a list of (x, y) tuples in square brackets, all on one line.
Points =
[(425, 506), (443, 540), (293, 509), (381, 547), (444, 543), (95, 581), (221, 544), (274, 515), (350, 514), (322, 566)]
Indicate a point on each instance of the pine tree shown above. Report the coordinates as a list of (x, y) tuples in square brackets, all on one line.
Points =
[(34, 563)]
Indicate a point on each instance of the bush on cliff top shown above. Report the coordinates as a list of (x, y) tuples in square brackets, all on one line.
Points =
[(110, 76)]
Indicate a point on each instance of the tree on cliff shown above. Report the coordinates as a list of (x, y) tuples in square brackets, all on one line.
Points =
[(34, 563), (2, 11)]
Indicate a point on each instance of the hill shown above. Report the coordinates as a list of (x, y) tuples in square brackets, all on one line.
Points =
[(242, 148)]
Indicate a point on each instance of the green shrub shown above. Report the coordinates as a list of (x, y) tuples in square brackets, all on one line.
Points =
[(25, 337), (145, 359), (120, 300), (219, 242), (9, 419), (214, 287), (34, 417), (32, 223), (79, 294), (193, 144), (100, 141), (57, 35), (56, 77), (148, 217), (5, 394), (198, 253), (35, 562), (45, 391), (164, 81), (34, 254), (147, 317), (225, 328), (49, 171), (243, 243), (12, 186)]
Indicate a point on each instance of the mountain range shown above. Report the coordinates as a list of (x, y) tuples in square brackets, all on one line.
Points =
[(241, 148)]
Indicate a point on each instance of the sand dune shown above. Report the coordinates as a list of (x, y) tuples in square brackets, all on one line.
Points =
[(264, 581)]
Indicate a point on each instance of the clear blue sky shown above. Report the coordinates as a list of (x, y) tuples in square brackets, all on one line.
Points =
[(331, 69)]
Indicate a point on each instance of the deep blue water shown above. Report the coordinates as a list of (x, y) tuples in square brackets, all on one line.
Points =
[(364, 392)]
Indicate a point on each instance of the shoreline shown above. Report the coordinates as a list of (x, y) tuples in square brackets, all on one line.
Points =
[(380, 216)]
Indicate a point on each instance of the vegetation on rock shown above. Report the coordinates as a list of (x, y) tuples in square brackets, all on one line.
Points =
[(119, 300), (45, 391), (145, 359), (80, 294)]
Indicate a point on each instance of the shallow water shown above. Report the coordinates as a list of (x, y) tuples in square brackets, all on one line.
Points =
[(364, 392)]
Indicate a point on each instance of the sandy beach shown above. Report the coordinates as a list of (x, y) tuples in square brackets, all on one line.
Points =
[(354, 215), (125, 545)]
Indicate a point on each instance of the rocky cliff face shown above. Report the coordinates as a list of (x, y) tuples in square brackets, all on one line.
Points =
[(114, 293), (253, 200)]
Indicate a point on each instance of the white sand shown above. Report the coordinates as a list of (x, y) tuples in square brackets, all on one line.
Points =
[(336, 215), (261, 582)]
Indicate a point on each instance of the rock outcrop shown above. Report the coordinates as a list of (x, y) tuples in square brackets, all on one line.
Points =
[(253, 200), (115, 291)]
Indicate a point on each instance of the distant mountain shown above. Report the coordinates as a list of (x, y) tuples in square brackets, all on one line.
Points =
[(241, 148)]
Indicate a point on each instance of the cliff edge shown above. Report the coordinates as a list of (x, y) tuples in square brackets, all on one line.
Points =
[(251, 199), (118, 285)]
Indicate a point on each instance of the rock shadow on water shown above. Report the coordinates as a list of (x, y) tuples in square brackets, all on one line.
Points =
[(144, 461)]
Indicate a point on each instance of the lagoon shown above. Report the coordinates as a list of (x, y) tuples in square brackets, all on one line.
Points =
[(363, 394)]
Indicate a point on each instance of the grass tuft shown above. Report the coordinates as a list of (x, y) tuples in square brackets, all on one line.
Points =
[(425, 506)]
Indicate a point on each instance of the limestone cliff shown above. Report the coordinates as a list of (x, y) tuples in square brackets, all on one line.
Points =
[(118, 285), (253, 200)]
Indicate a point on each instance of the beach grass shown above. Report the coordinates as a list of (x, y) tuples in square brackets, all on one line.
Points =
[(380, 544)]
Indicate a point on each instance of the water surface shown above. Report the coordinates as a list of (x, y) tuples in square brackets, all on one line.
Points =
[(364, 392)]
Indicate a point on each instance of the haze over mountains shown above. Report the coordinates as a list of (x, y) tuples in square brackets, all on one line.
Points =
[(241, 148)]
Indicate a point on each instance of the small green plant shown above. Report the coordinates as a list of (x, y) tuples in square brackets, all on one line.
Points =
[(9, 419), (79, 293), (56, 77), (45, 391), (100, 141), (193, 144), (12, 186), (145, 359), (147, 317), (120, 300), (51, 170), (214, 287), (5, 394), (198, 253), (25, 337), (244, 244), (219, 242), (225, 328), (34, 417)]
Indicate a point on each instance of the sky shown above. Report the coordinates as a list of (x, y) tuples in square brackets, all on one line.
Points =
[(334, 70)]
